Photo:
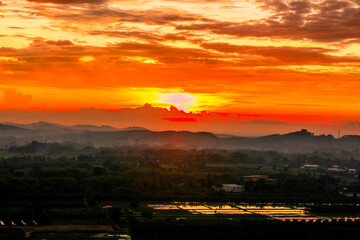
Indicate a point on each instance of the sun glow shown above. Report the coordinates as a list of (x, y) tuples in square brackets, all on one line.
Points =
[(87, 59), (7, 59), (194, 102), (145, 60), (222, 56), (181, 101)]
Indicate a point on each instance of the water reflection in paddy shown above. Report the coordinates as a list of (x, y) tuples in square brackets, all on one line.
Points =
[(78, 236), (222, 207), (231, 212), (265, 207), (280, 212), (163, 206), (193, 207)]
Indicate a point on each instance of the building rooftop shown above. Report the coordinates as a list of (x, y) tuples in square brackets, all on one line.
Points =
[(232, 185), (255, 176)]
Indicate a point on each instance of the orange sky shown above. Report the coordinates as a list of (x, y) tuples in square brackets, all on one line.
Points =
[(284, 60)]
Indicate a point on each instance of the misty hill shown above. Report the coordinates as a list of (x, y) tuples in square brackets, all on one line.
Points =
[(39, 126), (300, 141), (37, 147), (94, 128), (107, 136), (8, 130), (46, 126), (134, 128)]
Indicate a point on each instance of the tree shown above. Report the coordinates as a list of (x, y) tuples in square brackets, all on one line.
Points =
[(147, 215), (99, 171)]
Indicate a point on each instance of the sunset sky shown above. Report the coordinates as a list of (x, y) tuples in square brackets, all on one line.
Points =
[(219, 61)]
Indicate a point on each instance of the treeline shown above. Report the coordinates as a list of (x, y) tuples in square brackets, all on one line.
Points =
[(300, 184), (91, 179), (38, 147), (37, 178), (196, 157), (159, 174)]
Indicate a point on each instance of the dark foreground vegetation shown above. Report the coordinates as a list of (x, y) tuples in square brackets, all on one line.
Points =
[(139, 173), (265, 229), (59, 184)]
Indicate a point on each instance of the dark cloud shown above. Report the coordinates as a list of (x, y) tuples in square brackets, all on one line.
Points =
[(89, 14), (278, 6), (122, 34), (285, 55), (326, 21), (103, 14), (175, 36), (69, 1), (161, 51), (321, 21), (60, 42), (41, 54), (149, 36), (44, 54), (275, 5)]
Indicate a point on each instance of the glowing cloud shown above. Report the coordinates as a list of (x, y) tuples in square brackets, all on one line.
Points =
[(248, 57), (145, 60), (86, 59)]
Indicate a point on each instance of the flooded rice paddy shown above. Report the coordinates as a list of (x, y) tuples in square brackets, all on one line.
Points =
[(278, 212), (79, 236)]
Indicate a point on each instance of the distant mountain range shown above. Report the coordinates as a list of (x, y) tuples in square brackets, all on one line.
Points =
[(46, 126), (107, 136)]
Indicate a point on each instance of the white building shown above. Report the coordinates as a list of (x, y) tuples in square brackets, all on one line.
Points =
[(334, 169), (310, 166), (233, 188), (352, 171)]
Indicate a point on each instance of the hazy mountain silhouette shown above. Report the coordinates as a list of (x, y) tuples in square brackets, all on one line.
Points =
[(9, 130), (107, 136), (94, 128), (47, 126), (41, 125), (163, 119)]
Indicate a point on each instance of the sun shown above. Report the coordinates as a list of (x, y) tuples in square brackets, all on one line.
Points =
[(182, 101)]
